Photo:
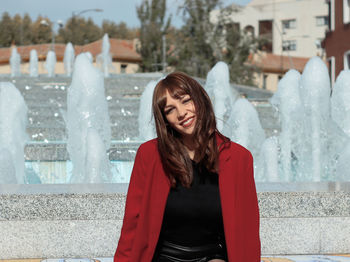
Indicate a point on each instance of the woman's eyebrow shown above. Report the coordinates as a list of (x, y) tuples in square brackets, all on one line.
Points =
[(166, 106)]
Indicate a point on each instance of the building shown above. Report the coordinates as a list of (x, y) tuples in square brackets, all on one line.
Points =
[(294, 30), (272, 68), (337, 40), (125, 59)]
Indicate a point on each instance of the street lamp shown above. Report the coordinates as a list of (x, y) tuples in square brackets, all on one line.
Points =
[(77, 13), (45, 23)]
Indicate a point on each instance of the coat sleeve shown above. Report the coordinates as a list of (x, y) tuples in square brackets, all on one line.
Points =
[(251, 215), (132, 209)]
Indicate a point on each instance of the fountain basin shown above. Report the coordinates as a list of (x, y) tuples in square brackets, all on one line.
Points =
[(71, 220)]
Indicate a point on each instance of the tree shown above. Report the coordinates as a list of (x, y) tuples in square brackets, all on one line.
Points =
[(240, 45), (153, 26), (202, 42), (26, 30), (78, 31), (41, 32), (121, 30), (234, 46), (91, 32), (6, 30), (194, 51), (17, 33)]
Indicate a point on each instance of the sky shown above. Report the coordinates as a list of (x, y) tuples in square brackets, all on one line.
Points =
[(114, 10)]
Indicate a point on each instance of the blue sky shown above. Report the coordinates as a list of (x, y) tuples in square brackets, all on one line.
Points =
[(115, 10)]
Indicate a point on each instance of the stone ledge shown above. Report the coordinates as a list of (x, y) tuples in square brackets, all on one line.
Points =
[(43, 221)]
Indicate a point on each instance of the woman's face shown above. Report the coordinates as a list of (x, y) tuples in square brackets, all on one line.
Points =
[(181, 114)]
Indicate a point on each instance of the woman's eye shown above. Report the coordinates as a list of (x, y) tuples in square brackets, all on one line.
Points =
[(186, 100), (168, 111)]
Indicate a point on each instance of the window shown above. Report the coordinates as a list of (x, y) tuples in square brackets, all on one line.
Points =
[(123, 68), (346, 11), (289, 45), (347, 60), (265, 33), (289, 24), (321, 20), (249, 30), (232, 27), (264, 81)]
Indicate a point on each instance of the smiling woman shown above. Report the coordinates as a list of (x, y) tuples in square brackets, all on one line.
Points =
[(192, 194), (181, 116)]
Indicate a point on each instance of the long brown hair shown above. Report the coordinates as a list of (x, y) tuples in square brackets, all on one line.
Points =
[(175, 159)]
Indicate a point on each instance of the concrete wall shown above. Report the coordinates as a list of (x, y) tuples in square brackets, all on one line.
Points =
[(270, 79), (59, 68), (58, 221)]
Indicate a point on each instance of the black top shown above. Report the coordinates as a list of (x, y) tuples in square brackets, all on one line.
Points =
[(192, 216)]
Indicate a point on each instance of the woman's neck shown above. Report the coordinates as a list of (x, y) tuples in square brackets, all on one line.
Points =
[(190, 147)]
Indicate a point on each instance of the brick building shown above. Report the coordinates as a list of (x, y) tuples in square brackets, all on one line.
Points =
[(337, 41)]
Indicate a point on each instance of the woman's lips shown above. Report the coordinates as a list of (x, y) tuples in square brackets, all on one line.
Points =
[(188, 122)]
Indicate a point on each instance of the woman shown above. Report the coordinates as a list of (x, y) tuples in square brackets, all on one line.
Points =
[(191, 195)]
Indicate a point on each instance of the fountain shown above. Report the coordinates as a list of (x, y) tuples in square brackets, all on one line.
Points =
[(288, 102), (298, 218), (310, 142), (104, 60), (340, 105), (15, 63), (68, 59), (219, 90), (266, 164), (340, 110), (89, 55), (13, 121), (33, 63), (147, 129), (243, 126), (88, 125), (7, 167), (50, 63)]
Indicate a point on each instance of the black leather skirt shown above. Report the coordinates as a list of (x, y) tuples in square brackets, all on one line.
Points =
[(169, 252)]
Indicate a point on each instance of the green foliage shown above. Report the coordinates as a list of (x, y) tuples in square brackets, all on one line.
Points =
[(41, 32), (120, 31), (153, 26), (26, 29), (20, 30), (238, 46), (6, 30), (194, 46), (202, 43), (79, 31)]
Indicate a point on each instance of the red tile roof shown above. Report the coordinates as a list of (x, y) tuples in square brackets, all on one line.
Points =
[(121, 50), (271, 63)]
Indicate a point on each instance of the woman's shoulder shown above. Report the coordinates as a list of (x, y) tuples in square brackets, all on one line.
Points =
[(240, 150), (148, 150), (149, 145)]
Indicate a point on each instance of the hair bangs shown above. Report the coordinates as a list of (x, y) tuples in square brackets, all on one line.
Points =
[(174, 91)]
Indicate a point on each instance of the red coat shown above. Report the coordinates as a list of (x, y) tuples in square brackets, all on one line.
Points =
[(147, 195)]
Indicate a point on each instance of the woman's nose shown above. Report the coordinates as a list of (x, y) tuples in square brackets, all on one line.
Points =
[(181, 112)]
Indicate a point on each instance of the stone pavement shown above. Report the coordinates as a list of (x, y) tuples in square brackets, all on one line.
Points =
[(300, 258)]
